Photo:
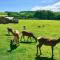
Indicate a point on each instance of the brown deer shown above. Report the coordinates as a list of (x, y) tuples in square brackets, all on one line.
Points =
[(46, 41), (28, 34), (15, 33), (14, 43), (16, 36)]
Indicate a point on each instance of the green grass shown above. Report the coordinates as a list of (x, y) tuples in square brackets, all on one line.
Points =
[(27, 51)]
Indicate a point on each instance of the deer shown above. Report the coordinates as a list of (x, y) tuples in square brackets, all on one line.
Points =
[(28, 34), (46, 41), (10, 30), (14, 33), (15, 41)]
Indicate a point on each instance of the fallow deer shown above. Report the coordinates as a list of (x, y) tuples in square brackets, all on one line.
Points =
[(46, 41), (28, 34)]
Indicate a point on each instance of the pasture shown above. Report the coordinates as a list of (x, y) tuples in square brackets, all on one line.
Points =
[(27, 51)]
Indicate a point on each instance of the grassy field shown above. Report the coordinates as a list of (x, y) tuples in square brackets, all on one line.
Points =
[(27, 51)]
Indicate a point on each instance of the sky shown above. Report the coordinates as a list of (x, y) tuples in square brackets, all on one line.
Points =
[(29, 5)]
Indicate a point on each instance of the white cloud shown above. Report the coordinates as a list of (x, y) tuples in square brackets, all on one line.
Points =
[(54, 7)]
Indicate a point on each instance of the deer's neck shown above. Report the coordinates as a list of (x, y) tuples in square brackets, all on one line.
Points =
[(12, 32), (57, 41), (34, 38)]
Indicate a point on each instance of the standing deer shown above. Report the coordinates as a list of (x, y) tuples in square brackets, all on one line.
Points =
[(28, 34), (48, 42)]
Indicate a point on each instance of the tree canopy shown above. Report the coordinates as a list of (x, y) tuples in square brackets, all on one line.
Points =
[(41, 14)]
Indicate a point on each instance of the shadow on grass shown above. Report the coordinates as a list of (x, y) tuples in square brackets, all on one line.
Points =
[(26, 42), (12, 49), (7, 35), (43, 58)]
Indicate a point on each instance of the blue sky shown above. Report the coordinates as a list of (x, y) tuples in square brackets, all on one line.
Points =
[(25, 5)]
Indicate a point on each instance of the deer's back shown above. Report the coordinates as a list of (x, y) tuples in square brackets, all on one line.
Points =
[(47, 41), (27, 33)]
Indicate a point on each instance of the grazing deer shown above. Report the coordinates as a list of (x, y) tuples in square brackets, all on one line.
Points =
[(16, 36), (15, 33), (10, 30), (15, 41), (48, 42), (28, 34)]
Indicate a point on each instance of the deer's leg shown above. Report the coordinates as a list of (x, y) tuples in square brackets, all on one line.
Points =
[(21, 38), (30, 39), (40, 50), (27, 38), (39, 46), (52, 52), (18, 41), (37, 51)]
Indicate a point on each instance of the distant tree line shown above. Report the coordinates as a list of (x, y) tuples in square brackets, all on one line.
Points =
[(42, 14)]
